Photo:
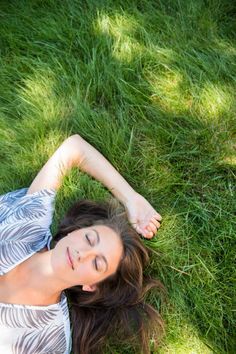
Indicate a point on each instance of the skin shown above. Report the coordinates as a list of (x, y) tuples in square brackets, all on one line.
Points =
[(41, 278), (95, 253), (76, 152)]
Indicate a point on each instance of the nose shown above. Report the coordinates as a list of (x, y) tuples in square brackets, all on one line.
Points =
[(83, 255)]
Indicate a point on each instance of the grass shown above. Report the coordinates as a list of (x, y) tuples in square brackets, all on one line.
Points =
[(151, 84)]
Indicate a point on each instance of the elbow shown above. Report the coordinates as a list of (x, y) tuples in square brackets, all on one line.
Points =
[(75, 148), (74, 137)]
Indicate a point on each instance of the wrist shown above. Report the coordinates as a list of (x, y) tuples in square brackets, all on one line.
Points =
[(128, 197), (124, 195)]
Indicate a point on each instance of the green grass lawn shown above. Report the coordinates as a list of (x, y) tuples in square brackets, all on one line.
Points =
[(151, 84)]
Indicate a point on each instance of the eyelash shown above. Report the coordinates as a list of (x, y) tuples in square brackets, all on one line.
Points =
[(87, 238), (95, 260), (95, 264)]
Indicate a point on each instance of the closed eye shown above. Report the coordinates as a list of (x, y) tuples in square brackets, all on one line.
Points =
[(99, 265), (95, 264), (88, 239), (91, 239)]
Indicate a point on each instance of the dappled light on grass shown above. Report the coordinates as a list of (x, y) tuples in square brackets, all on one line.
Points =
[(127, 49), (214, 100), (39, 99), (185, 341), (30, 157), (121, 28), (169, 91), (174, 93), (117, 24), (151, 85), (185, 256), (230, 160)]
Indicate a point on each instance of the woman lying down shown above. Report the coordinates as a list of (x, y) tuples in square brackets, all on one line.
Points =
[(86, 284)]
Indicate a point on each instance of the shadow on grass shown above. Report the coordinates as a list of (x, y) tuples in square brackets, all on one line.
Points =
[(154, 77)]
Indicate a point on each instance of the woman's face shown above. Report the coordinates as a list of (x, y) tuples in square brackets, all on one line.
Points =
[(87, 256)]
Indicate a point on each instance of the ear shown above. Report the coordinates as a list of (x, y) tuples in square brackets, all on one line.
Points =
[(89, 288)]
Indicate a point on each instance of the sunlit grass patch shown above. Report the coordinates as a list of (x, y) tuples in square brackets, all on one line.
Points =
[(38, 97), (127, 50), (185, 341), (118, 24), (170, 91), (121, 28), (231, 160), (214, 101)]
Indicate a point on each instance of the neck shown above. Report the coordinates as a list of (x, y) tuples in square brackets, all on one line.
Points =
[(40, 279)]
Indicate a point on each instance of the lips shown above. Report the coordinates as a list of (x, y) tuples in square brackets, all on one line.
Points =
[(70, 259)]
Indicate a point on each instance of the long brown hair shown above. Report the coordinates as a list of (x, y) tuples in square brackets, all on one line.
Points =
[(117, 308)]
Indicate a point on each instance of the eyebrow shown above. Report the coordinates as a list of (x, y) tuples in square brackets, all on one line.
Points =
[(102, 256)]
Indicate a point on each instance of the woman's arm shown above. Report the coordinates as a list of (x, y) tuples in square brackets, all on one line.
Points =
[(75, 151)]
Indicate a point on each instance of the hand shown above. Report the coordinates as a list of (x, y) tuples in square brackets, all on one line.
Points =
[(142, 216)]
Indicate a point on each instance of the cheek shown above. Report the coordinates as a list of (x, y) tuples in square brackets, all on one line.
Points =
[(85, 271)]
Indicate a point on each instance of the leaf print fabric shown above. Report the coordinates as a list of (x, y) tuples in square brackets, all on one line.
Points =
[(25, 221)]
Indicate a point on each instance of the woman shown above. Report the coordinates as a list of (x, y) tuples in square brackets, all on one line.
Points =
[(96, 259)]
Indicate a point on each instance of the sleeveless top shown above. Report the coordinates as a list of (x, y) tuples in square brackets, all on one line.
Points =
[(25, 221)]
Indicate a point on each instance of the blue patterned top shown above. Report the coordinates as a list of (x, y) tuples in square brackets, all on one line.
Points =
[(25, 221)]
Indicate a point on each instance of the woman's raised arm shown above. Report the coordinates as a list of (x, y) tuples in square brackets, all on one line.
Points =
[(75, 151)]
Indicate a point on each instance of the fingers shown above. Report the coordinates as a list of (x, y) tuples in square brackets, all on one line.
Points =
[(144, 232), (157, 217), (148, 230), (152, 228), (148, 234), (155, 222)]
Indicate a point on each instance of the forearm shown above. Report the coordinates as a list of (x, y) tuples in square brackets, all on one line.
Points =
[(75, 151), (91, 161), (142, 216)]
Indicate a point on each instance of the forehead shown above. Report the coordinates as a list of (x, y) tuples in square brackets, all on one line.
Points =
[(106, 233)]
